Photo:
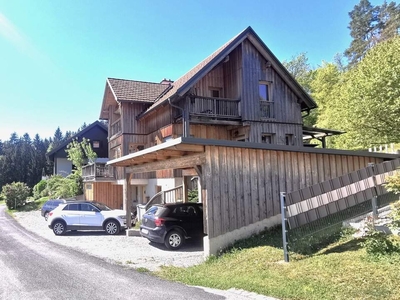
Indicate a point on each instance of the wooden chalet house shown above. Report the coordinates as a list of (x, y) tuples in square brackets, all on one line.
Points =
[(234, 120)]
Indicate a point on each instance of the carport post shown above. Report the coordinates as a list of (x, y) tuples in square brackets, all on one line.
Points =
[(284, 231)]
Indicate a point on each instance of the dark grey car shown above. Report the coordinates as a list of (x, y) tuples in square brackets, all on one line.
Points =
[(49, 205)]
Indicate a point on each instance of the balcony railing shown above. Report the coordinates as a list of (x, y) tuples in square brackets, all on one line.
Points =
[(115, 127), (214, 107), (97, 171), (266, 109)]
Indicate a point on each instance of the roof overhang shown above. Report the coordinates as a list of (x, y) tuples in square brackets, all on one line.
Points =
[(316, 133), (183, 153)]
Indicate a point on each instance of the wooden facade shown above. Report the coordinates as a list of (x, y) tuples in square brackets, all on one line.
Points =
[(242, 185), (105, 192)]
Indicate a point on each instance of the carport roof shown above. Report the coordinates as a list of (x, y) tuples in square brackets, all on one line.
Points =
[(186, 152)]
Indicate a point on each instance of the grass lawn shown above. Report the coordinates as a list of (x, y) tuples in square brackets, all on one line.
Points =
[(340, 271)]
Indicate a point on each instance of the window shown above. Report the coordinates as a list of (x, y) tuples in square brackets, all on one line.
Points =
[(87, 207), (289, 139), (267, 138), (88, 186), (96, 144), (72, 207), (215, 92), (266, 101)]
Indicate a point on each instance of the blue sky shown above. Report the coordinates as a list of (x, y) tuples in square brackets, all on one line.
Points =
[(55, 56)]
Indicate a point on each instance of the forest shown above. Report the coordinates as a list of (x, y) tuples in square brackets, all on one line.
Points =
[(358, 92)]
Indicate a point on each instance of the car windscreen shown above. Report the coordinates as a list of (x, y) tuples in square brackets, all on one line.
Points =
[(101, 206)]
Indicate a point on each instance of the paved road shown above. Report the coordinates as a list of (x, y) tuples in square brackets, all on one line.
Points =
[(34, 268)]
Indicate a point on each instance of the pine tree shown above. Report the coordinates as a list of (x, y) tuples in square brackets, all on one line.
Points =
[(389, 20), (364, 29)]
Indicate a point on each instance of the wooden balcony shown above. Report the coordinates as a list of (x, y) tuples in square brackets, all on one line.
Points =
[(98, 172), (214, 108)]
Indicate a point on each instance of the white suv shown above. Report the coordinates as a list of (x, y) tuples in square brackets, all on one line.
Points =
[(86, 215)]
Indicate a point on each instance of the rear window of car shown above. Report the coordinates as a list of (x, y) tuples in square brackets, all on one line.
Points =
[(155, 210)]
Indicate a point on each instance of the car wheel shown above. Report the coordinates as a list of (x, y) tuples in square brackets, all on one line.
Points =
[(174, 239), (59, 227), (46, 215), (112, 227)]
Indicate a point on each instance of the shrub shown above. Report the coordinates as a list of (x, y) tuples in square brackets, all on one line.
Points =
[(15, 194), (393, 183), (39, 189), (64, 187), (378, 244)]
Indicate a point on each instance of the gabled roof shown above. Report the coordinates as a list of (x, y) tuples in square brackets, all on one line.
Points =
[(183, 84), (132, 90), (77, 135)]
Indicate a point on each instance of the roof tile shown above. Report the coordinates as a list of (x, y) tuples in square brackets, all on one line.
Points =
[(132, 90)]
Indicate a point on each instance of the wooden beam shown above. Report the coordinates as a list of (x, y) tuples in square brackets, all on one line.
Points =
[(189, 172), (189, 147), (173, 163)]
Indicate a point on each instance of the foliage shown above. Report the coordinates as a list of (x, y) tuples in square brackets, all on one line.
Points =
[(378, 243), (15, 194), (78, 152), (30, 206), (367, 101), (393, 183), (39, 188), (64, 187), (193, 195), (370, 25), (395, 216), (23, 160)]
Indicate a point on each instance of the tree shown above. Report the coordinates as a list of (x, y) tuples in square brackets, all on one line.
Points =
[(389, 21), (79, 152), (369, 99), (364, 29), (301, 70)]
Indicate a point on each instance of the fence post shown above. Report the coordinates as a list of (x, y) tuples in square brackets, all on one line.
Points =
[(374, 200), (284, 231)]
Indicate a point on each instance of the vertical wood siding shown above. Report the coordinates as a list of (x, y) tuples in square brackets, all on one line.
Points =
[(243, 185), (107, 193)]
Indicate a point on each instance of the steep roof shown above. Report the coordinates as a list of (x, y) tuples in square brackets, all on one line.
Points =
[(77, 135), (183, 84), (132, 90)]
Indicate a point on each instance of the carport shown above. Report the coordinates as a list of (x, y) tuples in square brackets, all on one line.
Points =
[(240, 182)]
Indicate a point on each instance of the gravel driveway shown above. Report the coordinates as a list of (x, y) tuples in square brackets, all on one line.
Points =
[(132, 251)]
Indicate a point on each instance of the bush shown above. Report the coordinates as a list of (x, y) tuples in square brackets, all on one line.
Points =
[(15, 194), (39, 189), (378, 244), (64, 187)]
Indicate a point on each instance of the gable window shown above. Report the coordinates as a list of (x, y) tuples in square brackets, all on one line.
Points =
[(267, 138), (215, 92), (96, 144), (266, 101)]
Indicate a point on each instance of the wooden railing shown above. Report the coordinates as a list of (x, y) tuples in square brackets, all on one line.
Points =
[(97, 171), (168, 196), (115, 128), (266, 109), (214, 107)]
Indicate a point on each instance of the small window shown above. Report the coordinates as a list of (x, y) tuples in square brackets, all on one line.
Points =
[(289, 139), (96, 144), (140, 148), (88, 186), (72, 206), (87, 207), (215, 92), (267, 138)]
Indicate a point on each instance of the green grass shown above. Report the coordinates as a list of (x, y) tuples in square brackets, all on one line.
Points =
[(340, 271), (2, 202), (29, 206)]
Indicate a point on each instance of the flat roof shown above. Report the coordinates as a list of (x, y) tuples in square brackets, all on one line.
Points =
[(185, 146)]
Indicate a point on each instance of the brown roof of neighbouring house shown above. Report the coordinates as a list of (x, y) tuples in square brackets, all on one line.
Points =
[(132, 90)]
